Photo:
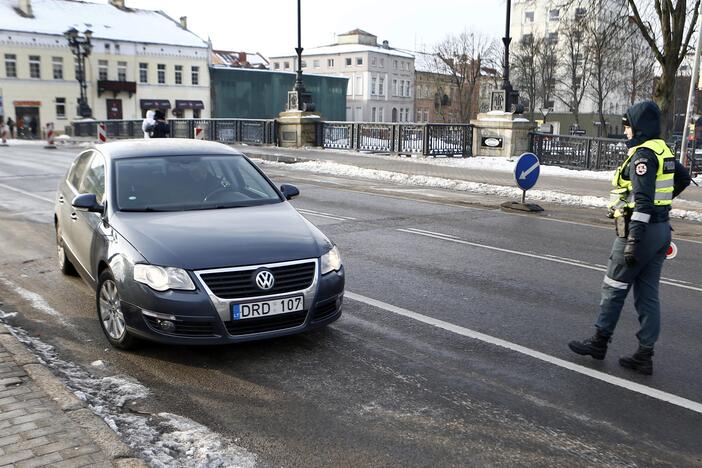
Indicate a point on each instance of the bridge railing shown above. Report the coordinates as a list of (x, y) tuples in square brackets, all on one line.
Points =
[(578, 152)]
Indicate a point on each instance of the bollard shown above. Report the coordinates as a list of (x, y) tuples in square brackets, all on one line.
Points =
[(50, 143), (102, 133), (199, 133)]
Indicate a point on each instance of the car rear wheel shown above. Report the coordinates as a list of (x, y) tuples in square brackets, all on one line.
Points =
[(110, 313), (64, 263)]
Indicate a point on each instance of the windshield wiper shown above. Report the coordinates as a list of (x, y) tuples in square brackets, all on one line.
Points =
[(145, 209)]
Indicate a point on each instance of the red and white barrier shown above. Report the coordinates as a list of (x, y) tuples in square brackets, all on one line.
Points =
[(199, 133), (102, 133), (4, 133), (50, 143)]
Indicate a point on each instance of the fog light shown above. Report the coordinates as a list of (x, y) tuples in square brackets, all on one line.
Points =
[(166, 325)]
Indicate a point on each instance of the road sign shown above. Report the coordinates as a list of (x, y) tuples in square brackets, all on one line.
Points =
[(526, 172), (672, 251)]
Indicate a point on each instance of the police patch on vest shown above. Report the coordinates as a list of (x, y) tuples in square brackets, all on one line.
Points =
[(669, 166), (641, 169)]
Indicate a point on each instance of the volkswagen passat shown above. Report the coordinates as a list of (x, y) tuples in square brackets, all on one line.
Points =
[(189, 242)]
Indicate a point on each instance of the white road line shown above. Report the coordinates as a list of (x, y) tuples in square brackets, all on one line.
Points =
[(619, 382), (322, 216), (29, 194), (432, 232), (566, 261), (326, 214)]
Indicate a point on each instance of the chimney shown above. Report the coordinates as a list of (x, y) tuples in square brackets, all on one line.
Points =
[(386, 45), (184, 22), (118, 4), (24, 7), (242, 58)]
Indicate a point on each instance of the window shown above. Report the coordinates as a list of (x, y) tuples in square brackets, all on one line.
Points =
[(374, 83), (60, 108), (286, 65), (529, 17), (143, 72), (382, 63), (381, 114), (381, 86), (179, 74), (580, 13), (276, 65), (406, 92), (527, 39), (196, 113), (10, 65), (394, 87), (553, 38), (394, 64), (34, 66), (373, 114), (121, 71), (348, 61), (161, 73), (102, 70), (554, 15), (107, 48), (315, 63), (330, 62), (78, 168), (94, 179), (304, 64), (419, 115), (359, 85), (373, 61), (359, 61), (57, 65), (117, 48)]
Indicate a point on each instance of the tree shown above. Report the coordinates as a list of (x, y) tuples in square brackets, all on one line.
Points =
[(575, 68), (525, 68), (667, 31), (547, 62), (461, 58), (639, 68)]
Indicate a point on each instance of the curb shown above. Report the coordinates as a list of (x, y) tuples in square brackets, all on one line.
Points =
[(100, 433)]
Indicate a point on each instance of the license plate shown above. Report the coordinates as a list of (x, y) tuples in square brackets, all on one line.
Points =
[(267, 308)]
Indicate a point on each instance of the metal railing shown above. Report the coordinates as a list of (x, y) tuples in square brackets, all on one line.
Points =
[(577, 152), (250, 131), (424, 139)]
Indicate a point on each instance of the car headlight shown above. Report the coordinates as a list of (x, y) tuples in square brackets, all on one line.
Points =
[(331, 261), (163, 278)]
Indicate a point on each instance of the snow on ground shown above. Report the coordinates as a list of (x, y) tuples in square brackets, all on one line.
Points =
[(163, 439), (344, 170)]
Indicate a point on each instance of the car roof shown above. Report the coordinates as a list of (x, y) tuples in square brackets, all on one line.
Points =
[(163, 147)]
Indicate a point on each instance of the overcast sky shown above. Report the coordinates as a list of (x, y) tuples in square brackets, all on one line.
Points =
[(270, 26)]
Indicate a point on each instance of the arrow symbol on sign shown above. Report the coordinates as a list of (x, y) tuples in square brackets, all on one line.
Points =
[(524, 174)]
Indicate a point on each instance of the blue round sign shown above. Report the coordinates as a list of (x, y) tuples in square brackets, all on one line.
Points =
[(527, 171)]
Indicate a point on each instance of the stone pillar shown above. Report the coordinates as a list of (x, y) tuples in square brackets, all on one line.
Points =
[(297, 128), (499, 133)]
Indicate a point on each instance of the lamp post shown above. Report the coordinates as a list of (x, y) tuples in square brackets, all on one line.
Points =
[(511, 95), (81, 47), (299, 99)]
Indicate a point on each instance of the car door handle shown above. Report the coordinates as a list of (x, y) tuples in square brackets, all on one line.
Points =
[(74, 216), (61, 199)]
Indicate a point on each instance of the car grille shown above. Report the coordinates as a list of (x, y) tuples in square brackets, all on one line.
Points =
[(183, 328), (266, 324), (324, 310), (240, 283)]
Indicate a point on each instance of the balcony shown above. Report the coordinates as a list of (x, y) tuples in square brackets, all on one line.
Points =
[(116, 87)]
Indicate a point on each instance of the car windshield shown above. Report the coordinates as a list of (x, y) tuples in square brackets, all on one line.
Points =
[(179, 183)]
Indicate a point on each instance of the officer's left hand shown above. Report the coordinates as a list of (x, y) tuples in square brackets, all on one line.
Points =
[(630, 251)]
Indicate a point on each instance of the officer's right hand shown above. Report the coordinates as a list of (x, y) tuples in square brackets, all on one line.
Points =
[(630, 251)]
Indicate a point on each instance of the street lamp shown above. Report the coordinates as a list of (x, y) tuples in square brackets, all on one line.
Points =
[(81, 46), (299, 99), (511, 95)]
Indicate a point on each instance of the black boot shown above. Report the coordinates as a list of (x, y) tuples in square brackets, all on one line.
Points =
[(641, 361), (595, 346)]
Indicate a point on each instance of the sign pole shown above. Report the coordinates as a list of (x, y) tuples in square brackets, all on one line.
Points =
[(691, 97)]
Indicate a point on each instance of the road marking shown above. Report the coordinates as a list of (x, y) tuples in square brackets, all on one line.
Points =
[(325, 215), (602, 376), (24, 192), (432, 232), (549, 258)]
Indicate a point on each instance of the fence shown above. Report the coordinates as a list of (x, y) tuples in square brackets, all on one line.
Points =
[(251, 131), (577, 152), (424, 139)]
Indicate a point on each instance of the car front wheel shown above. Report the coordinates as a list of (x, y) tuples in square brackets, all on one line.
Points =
[(110, 313)]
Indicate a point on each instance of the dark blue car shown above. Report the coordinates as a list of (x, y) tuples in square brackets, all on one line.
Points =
[(188, 242)]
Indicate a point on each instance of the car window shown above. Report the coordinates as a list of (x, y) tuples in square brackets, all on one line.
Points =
[(78, 169), (175, 183), (93, 180)]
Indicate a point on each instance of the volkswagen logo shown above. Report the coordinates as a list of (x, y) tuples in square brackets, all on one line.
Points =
[(265, 279)]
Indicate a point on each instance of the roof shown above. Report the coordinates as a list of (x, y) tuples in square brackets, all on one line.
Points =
[(350, 48), (154, 147), (235, 59), (360, 32), (106, 21)]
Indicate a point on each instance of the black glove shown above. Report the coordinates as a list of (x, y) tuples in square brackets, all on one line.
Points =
[(630, 251)]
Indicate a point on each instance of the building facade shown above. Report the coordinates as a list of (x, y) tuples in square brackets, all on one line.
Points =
[(140, 60), (381, 79)]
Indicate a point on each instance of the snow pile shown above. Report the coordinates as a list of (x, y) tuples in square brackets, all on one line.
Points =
[(163, 440)]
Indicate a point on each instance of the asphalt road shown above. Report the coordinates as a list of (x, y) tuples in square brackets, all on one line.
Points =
[(414, 373)]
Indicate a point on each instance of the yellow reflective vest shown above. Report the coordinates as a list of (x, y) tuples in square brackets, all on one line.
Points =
[(622, 198)]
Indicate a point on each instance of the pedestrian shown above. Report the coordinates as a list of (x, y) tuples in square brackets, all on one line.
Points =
[(147, 124), (11, 126), (20, 127), (160, 128), (646, 183), (33, 127)]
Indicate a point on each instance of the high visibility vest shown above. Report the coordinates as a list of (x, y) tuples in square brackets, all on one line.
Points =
[(623, 196)]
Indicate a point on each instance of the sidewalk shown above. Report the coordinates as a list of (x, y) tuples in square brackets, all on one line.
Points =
[(43, 423), (447, 168)]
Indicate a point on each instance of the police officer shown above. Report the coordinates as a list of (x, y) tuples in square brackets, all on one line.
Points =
[(646, 183)]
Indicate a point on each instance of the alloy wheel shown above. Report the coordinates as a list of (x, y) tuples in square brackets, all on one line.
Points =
[(110, 311)]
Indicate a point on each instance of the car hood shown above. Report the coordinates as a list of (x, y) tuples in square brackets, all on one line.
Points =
[(205, 239)]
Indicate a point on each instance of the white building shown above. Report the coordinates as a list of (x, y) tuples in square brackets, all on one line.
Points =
[(140, 60), (381, 79)]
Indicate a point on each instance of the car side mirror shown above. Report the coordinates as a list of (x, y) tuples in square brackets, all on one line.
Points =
[(87, 202), (289, 191)]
